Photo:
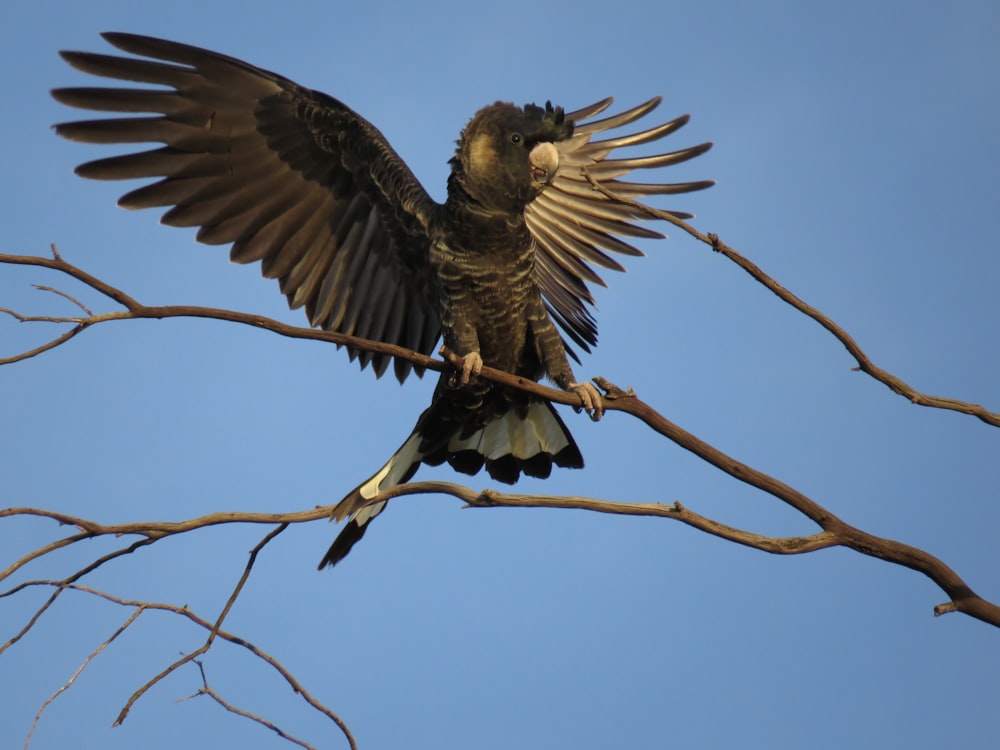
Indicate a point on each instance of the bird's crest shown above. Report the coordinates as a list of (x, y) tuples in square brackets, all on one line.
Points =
[(554, 125)]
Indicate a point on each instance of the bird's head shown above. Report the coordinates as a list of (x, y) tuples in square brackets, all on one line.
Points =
[(506, 157)]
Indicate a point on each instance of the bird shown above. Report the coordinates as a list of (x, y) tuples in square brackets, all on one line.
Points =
[(500, 272)]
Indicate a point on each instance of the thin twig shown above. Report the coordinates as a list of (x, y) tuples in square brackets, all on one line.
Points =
[(64, 295), (58, 341), (72, 679), (211, 636), (206, 689), (185, 612), (64, 583), (152, 530)]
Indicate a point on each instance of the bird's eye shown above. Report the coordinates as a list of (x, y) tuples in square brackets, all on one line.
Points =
[(516, 138)]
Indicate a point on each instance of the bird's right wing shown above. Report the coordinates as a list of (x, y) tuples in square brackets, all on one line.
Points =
[(291, 177)]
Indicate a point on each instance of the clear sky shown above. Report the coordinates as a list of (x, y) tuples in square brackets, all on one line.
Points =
[(857, 149)]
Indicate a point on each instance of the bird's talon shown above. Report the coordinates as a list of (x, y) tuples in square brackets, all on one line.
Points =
[(472, 364), (590, 399)]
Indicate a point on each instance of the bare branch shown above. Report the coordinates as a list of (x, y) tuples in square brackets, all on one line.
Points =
[(135, 310), (835, 532), (675, 511), (58, 341), (895, 384), (151, 533), (79, 671), (211, 636), (186, 613), (86, 310), (207, 690), (64, 583)]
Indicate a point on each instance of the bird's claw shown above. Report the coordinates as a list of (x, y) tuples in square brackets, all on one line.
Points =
[(472, 364), (590, 399)]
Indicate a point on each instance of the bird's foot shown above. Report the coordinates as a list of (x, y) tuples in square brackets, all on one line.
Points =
[(590, 399), (472, 364)]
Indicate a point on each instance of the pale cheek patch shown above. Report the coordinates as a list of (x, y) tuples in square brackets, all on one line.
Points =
[(482, 155)]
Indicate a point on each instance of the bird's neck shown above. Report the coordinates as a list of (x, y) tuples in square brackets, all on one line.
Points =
[(462, 200), (463, 209), (473, 228)]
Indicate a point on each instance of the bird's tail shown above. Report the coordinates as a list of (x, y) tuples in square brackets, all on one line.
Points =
[(525, 440)]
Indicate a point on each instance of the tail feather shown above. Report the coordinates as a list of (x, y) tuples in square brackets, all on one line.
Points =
[(528, 441), (397, 470), (349, 536), (523, 436)]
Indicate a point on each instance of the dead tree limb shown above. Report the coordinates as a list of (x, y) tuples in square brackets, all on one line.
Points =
[(865, 364)]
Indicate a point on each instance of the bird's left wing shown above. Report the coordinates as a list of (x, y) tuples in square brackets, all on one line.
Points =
[(573, 224), (291, 177)]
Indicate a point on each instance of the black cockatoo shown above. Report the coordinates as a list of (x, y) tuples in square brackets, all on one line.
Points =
[(298, 181)]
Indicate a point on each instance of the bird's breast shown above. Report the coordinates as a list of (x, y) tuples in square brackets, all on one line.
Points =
[(490, 292)]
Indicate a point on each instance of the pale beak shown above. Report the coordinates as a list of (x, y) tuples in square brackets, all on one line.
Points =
[(544, 161)]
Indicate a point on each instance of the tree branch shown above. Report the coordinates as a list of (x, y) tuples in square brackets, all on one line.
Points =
[(185, 612), (207, 690), (212, 634), (895, 384), (90, 657), (136, 310), (835, 532)]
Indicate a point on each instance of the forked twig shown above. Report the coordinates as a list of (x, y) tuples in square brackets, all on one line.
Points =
[(185, 612), (206, 689), (212, 634)]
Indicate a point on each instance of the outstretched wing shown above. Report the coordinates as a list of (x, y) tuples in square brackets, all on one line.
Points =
[(573, 224), (291, 177)]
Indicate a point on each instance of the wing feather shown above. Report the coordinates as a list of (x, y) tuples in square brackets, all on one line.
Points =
[(573, 224), (290, 176), (292, 232)]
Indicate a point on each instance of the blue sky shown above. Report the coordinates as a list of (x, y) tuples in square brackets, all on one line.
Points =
[(856, 157)]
